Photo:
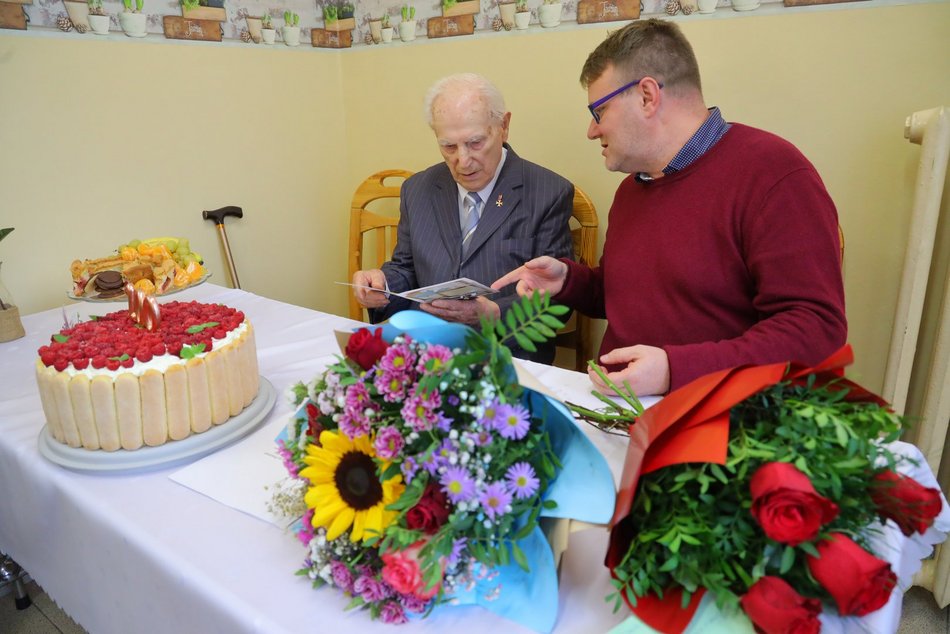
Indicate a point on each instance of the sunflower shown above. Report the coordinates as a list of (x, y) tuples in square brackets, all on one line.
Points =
[(346, 490)]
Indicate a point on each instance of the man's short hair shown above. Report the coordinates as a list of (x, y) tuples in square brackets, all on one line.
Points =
[(646, 48), (469, 82)]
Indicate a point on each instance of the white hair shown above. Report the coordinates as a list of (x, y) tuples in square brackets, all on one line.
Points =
[(470, 82)]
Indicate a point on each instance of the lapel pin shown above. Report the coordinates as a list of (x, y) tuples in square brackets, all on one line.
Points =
[(498, 202)]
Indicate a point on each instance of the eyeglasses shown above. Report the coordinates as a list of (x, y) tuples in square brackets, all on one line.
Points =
[(597, 108)]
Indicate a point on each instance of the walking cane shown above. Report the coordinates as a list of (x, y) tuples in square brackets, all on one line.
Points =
[(217, 216)]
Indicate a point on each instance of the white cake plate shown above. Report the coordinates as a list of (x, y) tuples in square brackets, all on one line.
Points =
[(169, 454)]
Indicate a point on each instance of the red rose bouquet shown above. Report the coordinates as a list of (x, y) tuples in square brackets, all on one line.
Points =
[(762, 485)]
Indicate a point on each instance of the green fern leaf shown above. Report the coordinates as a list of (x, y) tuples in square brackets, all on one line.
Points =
[(524, 342)]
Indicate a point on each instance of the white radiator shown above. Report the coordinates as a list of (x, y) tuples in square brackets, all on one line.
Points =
[(919, 384)]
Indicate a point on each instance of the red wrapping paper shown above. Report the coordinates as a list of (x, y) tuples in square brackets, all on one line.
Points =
[(691, 424)]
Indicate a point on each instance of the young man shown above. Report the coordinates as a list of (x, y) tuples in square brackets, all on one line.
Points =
[(722, 245)]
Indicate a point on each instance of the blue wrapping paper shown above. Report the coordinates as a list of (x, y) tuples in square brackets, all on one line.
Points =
[(583, 489)]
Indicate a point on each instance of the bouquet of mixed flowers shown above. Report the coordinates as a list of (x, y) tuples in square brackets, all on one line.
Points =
[(765, 486), (422, 468)]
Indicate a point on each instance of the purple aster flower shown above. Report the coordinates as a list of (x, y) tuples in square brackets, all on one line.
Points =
[(491, 417), (447, 448), (443, 422), (435, 356), (432, 462), (457, 547), (458, 484), (342, 576), (522, 481), (413, 604), (513, 421), (389, 442), (392, 612), (481, 438), (371, 589), (454, 400), (495, 500), (409, 467)]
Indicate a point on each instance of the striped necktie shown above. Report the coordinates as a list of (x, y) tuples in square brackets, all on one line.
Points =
[(470, 213)]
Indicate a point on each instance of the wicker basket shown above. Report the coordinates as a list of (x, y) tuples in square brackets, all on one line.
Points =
[(10, 325)]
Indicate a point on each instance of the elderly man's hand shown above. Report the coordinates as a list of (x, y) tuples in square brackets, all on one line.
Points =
[(647, 370), (544, 273), (368, 298), (464, 311)]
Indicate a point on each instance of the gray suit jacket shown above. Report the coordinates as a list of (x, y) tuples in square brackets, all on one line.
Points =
[(526, 216)]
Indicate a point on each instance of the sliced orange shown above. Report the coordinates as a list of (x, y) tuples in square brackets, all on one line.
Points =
[(195, 271), (145, 285), (181, 277), (128, 254)]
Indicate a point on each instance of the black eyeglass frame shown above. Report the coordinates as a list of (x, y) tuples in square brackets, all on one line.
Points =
[(593, 107)]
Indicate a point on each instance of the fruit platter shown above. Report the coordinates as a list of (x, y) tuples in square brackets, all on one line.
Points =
[(156, 266)]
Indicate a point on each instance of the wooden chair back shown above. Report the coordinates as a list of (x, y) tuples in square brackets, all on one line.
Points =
[(372, 230), (577, 333)]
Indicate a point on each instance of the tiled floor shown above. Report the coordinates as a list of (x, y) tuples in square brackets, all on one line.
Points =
[(42, 617), (920, 616)]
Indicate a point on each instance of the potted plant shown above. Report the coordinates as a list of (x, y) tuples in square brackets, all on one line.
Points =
[(549, 13), (204, 10), (330, 14), (10, 325), (387, 30), (291, 29), (346, 11), (132, 20), (407, 28), (522, 15), (267, 29), (451, 8), (98, 19)]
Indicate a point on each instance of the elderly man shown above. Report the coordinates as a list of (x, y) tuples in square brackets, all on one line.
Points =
[(722, 247), (480, 213)]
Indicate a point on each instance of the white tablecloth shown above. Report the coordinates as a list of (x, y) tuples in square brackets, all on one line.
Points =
[(141, 553)]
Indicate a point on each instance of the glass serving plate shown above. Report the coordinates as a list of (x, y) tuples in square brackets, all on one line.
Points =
[(122, 298)]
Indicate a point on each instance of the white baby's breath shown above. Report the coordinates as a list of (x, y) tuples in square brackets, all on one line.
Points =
[(287, 498)]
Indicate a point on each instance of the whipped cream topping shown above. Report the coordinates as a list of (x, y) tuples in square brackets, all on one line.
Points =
[(160, 362)]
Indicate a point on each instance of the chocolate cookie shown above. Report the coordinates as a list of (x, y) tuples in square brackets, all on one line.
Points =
[(109, 281)]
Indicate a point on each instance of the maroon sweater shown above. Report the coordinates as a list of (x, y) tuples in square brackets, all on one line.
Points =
[(733, 260)]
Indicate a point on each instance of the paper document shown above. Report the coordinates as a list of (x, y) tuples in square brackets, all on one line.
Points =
[(461, 288)]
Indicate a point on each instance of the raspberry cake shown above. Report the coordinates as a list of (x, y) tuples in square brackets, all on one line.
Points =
[(111, 384)]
